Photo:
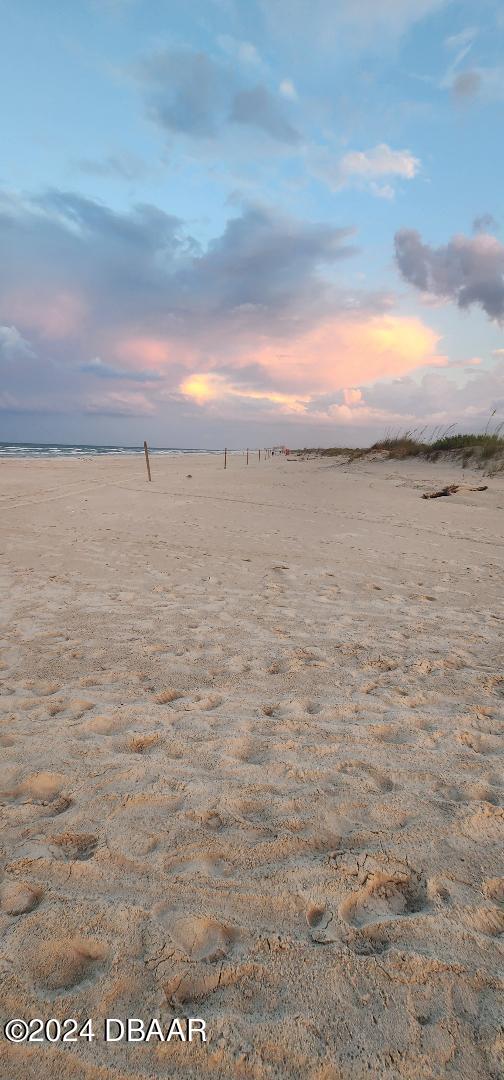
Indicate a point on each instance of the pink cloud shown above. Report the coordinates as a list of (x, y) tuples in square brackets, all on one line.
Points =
[(329, 359), (52, 315), (144, 351), (341, 353)]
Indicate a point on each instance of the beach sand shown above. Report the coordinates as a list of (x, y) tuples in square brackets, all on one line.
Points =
[(249, 737)]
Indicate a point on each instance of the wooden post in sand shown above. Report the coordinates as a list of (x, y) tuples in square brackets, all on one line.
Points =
[(225, 458), (259, 455), (247, 455), (147, 462)]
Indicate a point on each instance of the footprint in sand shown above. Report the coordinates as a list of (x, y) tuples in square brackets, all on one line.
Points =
[(61, 963), (483, 792), (321, 925), (55, 707), (486, 824), (202, 939), (493, 889), (384, 895), (142, 824), (248, 750), (480, 744), (193, 986), (17, 897), (78, 708), (206, 704), (45, 689), (165, 697), (388, 733), (139, 744), (485, 920), (367, 774), (212, 820), (75, 846), (104, 725), (486, 722), (41, 787)]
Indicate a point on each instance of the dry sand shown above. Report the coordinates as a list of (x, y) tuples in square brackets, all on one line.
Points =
[(250, 766)]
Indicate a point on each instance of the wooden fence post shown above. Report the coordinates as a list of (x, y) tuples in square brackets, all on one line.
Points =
[(147, 462)]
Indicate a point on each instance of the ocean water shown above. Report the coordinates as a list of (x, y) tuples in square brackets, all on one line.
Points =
[(53, 450)]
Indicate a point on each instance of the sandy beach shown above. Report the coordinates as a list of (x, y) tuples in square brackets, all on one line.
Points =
[(250, 772)]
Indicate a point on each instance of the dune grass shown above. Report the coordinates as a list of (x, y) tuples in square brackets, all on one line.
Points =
[(481, 446)]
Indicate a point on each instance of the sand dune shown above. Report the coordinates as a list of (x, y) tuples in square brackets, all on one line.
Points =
[(250, 734)]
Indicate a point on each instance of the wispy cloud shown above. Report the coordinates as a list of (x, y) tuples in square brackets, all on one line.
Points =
[(124, 165), (367, 25), (101, 370)]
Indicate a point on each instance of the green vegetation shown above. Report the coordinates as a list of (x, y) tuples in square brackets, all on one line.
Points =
[(481, 447), (489, 444)]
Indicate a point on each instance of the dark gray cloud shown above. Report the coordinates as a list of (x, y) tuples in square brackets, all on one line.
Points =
[(264, 270), (469, 270), (126, 275), (189, 93), (258, 108)]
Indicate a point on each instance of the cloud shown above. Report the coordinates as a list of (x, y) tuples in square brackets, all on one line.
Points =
[(462, 39), (365, 168), (468, 270), (435, 399), (262, 274), (187, 91), (258, 108), (190, 93), (302, 377), (466, 85), (13, 346), (379, 162), (485, 223), (123, 165), (328, 26), (77, 259), (253, 325), (243, 51), (97, 367), (477, 83), (78, 279), (212, 388), (288, 90), (120, 403)]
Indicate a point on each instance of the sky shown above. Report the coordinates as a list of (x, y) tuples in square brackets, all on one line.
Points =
[(248, 222)]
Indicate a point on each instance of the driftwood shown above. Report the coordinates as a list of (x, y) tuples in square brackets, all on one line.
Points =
[(451, 489)]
